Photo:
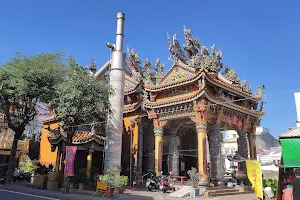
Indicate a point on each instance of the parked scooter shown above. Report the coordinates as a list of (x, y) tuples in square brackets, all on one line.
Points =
[(153, 182), (165, 184), (21, 176)]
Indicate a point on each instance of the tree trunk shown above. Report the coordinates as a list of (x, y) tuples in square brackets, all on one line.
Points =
[(12, 160)]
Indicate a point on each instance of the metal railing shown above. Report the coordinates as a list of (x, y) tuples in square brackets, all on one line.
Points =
[(144, 176)]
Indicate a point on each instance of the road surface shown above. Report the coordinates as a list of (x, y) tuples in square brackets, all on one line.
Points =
[(21, 192)]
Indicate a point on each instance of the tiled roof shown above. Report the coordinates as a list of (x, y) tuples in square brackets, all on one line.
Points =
[(194, 95), (132, 107), (292, 133), (85, 137), (212, 77), (173, 83), (79, 137)]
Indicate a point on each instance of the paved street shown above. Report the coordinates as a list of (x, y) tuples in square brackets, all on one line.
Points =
[(25, 192)]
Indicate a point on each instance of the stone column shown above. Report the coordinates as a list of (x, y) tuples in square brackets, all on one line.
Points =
[(89, 159), (252, 145), (217, 160), (158, 133), (140, 151), (242, 148), (202, 151), (57, 163), (174, 153)]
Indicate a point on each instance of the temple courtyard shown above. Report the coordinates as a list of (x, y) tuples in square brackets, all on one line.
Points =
[(25, 192)]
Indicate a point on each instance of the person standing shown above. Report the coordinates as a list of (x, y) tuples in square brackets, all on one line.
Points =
[(296, 185)]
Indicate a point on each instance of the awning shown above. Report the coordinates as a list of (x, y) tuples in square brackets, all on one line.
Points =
[(290, 152)]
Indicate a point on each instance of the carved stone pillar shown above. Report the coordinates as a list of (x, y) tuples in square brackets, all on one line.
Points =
[(174, 153), (216, 158), (242, 148), (202, 151), (158, 133), (200, 109), (252, 145), (140, 150)]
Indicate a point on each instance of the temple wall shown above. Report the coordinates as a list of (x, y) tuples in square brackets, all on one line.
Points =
[(161, 97), (134, 129), (47, 157)]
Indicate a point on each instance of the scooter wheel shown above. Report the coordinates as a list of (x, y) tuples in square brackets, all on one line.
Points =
[(164, 190), (150, 188)]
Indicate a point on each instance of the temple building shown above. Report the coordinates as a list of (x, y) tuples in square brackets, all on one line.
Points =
[(6, 140), (173, 119)]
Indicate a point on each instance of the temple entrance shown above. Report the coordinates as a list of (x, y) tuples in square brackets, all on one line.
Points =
[(179, 147), (188, 149)]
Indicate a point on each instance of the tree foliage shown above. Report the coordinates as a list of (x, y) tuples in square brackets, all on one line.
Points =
[(23, 82), (80, 98)]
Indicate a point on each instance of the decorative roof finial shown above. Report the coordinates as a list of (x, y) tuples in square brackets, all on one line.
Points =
[(134, 61), (260, 90), (175, 49), (92, 67)]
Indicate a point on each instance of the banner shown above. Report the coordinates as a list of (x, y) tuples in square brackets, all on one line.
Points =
[(255, 176), (70, 157)]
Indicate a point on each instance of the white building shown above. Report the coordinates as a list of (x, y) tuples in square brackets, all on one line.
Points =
[(264, 140), (266, 145), (229, 146)]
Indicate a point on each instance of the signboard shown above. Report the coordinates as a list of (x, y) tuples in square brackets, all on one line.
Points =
[(255, 176), (160, 156), (204, 156), (70, 157)]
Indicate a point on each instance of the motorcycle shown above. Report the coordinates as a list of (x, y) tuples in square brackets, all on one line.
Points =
[(152, 183), (2, 178), (21, 176), (165, 184)]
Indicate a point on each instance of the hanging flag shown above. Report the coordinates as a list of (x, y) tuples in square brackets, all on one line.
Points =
[(255, 176), (70, 157)]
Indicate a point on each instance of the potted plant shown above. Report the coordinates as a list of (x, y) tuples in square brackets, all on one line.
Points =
[(121, 183), (80, 178), (194, 178), (71, 182), (40, 177), (110, 179)]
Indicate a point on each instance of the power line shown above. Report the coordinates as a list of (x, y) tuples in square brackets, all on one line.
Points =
[(127, 23), (99, 9)]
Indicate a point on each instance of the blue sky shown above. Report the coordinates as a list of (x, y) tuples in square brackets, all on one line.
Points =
[(258, 38)]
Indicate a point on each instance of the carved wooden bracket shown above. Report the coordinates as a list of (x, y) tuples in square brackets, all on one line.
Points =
[(153, 96)]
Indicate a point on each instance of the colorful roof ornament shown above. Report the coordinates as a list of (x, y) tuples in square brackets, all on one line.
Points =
[(134, 61), (175, 49), (245, 86), (231, 75)]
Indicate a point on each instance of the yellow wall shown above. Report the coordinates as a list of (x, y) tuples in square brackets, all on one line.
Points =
[(135, 131), (46, 155)]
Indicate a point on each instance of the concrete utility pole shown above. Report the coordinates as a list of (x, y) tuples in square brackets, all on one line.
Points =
[(113, 148)]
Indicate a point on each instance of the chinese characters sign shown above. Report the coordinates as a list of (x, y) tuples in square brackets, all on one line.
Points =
[(70, 157), (255, 177), (160, 156)]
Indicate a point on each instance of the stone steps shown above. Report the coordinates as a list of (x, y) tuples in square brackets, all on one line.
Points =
[(225, 191)]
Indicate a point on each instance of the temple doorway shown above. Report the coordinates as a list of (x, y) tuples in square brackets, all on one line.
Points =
[(180, 147)]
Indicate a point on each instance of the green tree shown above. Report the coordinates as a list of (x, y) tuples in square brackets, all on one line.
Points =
[(23, 82), (80, 99)]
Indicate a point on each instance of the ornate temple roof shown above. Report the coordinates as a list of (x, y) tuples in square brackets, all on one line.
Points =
[(86, 136), (79, 137), (188, 68)]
